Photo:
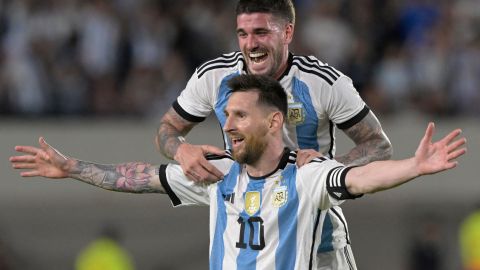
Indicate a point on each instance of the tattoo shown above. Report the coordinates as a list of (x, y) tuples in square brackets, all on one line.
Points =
[(370, 140), (172, 126), (133, 177)]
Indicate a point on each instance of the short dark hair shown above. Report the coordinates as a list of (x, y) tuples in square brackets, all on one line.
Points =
[(280, 8), (270, 92)]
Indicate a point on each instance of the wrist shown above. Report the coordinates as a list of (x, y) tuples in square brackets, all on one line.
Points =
[(181, 142)]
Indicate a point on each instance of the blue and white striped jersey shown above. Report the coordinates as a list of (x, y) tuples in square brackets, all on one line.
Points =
[(269, 222), (319, 96)]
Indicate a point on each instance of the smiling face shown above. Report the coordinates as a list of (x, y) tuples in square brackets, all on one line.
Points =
[(263, 40), (246, 126)]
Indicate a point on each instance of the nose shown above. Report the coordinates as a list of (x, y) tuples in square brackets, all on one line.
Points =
[(251, 42), (228, 126)]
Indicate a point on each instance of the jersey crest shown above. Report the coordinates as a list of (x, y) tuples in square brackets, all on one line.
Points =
[(252, 202), (296, 113), (280, 196)]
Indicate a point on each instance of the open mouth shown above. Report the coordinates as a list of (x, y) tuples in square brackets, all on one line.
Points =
[(236, 141), (258, 57)]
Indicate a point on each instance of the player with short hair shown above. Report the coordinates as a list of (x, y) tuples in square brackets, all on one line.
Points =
[(263, 214), (320, 98)]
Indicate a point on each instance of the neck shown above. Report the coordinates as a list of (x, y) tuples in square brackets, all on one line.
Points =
[(268, 161), (283, 67)]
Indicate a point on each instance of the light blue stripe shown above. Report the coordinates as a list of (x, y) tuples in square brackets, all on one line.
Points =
[(285, 255), (326, 243), (247, 258), (307, 131), (224, 188), (223, 95)]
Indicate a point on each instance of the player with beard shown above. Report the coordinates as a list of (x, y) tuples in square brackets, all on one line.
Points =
[(263, 214), (320, 99)]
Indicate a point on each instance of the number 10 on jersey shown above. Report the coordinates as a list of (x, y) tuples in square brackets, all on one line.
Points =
[(255, 231)]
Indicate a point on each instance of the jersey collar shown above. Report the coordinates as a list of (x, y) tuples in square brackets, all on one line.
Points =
[(281, 165)]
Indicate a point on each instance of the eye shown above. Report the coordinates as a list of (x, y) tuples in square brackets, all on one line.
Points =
[(241, 34)]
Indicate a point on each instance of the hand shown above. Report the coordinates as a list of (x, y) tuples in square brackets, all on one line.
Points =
[(45, 161), (192, 160), (304, 156), (438, 156)]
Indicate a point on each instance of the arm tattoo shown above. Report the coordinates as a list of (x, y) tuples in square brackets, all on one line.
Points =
[(133, 177), (171, 127), (371, 143)]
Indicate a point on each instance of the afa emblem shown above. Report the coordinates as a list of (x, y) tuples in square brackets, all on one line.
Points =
[(252, 202), (296, 113), (280, 196)]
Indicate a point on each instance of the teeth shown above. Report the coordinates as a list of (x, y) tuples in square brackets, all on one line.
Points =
[(258, 54)]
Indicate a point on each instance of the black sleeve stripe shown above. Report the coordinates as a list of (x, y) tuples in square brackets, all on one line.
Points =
[(164, 181), (354, 120), (217, 157), (317, 66), (216, 67), (304, 69), (225, 58), (324, 65), (336, 186), (192, 118)]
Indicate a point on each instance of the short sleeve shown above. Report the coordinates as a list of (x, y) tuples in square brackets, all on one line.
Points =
[(344, 105), (195, 102), (184, 192), (325, 180)]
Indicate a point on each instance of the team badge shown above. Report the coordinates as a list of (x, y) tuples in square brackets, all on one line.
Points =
[(280, 196), (296, 113), (252, 202)]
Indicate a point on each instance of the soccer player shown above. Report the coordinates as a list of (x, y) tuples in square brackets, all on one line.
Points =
[(319, 98), (263, 214)]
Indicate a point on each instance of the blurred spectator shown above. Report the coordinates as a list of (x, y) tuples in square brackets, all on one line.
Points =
[(105, 253), (425, 252), (105, 57), (470, 241)]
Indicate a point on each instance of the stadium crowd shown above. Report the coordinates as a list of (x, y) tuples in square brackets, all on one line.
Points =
[(133, 57)]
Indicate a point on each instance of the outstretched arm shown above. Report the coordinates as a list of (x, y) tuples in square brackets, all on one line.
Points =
[(430, 157), (46, 161), (190, 157), (371, 142)]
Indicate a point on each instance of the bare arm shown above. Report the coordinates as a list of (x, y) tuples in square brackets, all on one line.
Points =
[(429, 158), (371, 142), (172, 128), (46, 161), (191, 158)]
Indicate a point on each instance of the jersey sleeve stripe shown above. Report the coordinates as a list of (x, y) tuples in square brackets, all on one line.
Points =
[(162, 174), (216, 66), (354, 120), (314, 72), (318, 67), (324, 65), (336, 186), (185, 115), (228, 56)]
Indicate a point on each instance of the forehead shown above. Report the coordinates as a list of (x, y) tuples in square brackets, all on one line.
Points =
[(255, 20), (242, 101)]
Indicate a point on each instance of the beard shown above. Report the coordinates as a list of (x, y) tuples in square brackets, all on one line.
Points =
[(254, 146)]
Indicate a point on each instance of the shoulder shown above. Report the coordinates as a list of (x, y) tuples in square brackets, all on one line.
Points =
[(225, 61), (310, 65)]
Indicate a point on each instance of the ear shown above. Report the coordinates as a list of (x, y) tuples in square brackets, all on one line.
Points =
[(289, 29), (276, 121)]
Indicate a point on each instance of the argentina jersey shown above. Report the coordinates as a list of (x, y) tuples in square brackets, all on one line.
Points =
[(269, 222)]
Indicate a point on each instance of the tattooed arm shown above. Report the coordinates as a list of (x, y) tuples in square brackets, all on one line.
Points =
[(191, 158), (371, 143), (46, 161)]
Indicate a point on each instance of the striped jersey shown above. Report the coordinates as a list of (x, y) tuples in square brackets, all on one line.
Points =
[(319, 98), (269, 222)]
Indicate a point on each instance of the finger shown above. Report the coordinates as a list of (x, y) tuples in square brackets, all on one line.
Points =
[(209, 171), (210, 149), (301, 160), (30, 173), (24, 165), (456, 144), (451, 165), (26, 158), (457, 153), (27, 149), (429, 133), (447, 139)]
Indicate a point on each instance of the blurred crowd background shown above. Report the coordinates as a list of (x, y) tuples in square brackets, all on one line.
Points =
[(133, 57)]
